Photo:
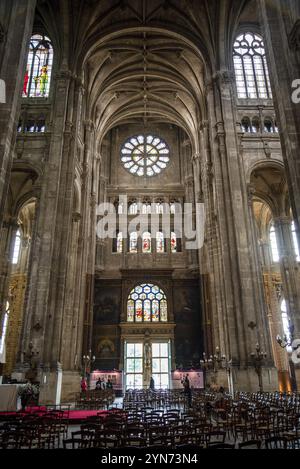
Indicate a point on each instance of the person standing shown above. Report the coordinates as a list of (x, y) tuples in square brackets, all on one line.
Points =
[(83, 385), (109, 384), (187, 390), (152, 384)]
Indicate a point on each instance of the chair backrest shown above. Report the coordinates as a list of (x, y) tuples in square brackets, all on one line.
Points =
[(220, 446), (252, 444), (276, 443), (215, 437)]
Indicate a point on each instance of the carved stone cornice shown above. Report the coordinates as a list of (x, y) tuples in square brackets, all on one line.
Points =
[(147, 330)]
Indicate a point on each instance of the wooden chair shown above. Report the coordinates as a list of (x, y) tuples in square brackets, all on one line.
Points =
[(251, 444), (276, 443)]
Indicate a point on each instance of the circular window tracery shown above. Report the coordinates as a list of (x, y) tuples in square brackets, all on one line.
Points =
[(145, 155)]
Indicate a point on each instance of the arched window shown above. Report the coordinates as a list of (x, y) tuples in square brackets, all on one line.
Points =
[(147, 243), (133, 209), (4, 329), (41, 125), (274, 245), (120, 208), (39, 68), (147, 303), (120, 243), (146, 208), (255, 125), (174, 244), (173, 209), (30, 126), (295, 240), (268, 126), (160, 208), (17, 248), (246, 125), (145, 155), (251, 69), (160, 243), (133, 243)]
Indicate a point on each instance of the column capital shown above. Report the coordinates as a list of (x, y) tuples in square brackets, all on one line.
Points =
[(223, 77), (251, 192), (76, 217), (203, 125), (283, 220), (196, 157), (89, 125)]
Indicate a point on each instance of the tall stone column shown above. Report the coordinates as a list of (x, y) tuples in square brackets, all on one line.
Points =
[(48, 320), (239, 278), (16, 23), (289, 274), (281, 26)]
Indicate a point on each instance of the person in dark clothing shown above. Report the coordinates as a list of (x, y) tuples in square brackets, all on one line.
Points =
[(152, 384), (109, 384), (187, 390)]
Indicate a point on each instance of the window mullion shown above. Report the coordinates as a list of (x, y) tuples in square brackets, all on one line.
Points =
[(254, 76)]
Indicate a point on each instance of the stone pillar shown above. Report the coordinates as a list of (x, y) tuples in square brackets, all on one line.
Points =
[(281, 26), (290, 275), (238, 276), (51, 290), (16, 22), (289, 269)]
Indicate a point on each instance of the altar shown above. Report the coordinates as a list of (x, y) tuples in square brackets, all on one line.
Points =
[(8, 397)]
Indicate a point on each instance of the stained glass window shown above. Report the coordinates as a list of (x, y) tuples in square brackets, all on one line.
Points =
[(146, 209), (160, 242), (147, 243), (160, 209), (120, 243), (133, 248), (120, 209), (133, 209), (147, 303), (173, 243), (251, 68), (145, 155), (39, 68)]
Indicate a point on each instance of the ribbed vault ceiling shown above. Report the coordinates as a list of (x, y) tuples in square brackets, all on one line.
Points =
[(143, 60), (142, 76)]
